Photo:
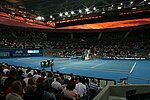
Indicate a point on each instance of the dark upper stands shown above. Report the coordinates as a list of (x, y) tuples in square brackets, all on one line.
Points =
[(116, 44)]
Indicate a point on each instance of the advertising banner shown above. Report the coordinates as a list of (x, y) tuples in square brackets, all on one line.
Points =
[(20, 52)]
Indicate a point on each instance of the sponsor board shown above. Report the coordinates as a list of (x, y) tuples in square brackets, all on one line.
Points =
[(20, 52)]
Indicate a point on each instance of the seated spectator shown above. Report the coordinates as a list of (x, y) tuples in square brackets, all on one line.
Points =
[(1, 84), (30, 88), (48, 94), (41, 94), (4, 77), (70, 92), (81, 88), (57, 85), (37, 74), (72, 80), (26, 79), (48, 81), (16, 88), (21, 93), (93, 89), (42, 78), (66, 81), (93, 85), (11, 78), (20, 75), (5, 68), (27, 72)]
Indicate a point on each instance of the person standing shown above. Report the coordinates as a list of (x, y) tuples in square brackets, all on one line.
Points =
[(51, 65)]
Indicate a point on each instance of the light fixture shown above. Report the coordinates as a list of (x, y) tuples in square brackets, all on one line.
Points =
[(72, 12), (60, 14), (51, 16), (103, 12), (134, 8), (81, 15), (87, 9), (131, 2), (119, 7), (39, 18), (66, 13), (94, 8), (80, 11), (42, 18), (103, 9), (69, 16)]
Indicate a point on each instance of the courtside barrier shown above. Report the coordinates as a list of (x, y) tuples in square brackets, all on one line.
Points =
[(20, 52)]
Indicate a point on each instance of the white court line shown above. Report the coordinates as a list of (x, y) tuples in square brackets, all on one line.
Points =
[(98, 65), (23, 58), (133, 67), (62, 68)]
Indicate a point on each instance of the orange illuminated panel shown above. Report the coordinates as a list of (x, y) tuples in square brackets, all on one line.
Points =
[(78, 19), (114, 24), (137, 11), (14, 22), (3, 14), (19, 18)]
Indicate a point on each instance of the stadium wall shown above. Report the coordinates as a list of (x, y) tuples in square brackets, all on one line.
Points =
[(55, 52), (118, 92), (50, 52), (4, 53)]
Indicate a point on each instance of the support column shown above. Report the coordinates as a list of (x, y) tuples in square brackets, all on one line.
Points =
[(99, 36), (71, 36)]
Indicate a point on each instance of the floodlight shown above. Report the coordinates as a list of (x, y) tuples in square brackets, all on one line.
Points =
[(103, 12), (66, 13), (87, 9), (51, 16), (134, 8), (42, 18), (39, 17), (80, 11), (131, 2), (119, 7), (72, 12), (94, 8), (103, 9), (60, 14), (69, 16), (81, 15)]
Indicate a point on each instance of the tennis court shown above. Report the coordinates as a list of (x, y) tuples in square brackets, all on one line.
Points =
[(109, 69)]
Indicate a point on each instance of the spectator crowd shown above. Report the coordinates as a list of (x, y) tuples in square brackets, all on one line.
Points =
[(18, 83), (66, 47)]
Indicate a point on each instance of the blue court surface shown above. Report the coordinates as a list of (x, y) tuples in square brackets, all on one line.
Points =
[(138, 71)]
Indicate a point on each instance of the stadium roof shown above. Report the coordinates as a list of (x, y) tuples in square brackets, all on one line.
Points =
[(57, 8), (47, 7), (76, 12)]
